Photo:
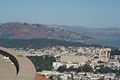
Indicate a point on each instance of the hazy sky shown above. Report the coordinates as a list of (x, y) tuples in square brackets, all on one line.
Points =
[(90, 13)]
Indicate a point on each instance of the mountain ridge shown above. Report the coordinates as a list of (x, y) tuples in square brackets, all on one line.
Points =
[(94, 32), (17, 30)]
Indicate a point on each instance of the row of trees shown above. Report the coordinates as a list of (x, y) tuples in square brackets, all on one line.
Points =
[(115, 51), (105, 69), (88, 68), (84, 68)]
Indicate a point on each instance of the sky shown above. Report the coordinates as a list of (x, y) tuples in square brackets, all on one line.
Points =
[(89, 13)]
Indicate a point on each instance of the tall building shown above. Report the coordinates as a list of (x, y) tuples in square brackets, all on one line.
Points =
[(104, 54)]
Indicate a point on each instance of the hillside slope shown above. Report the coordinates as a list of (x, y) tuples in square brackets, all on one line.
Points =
[(16, 30)]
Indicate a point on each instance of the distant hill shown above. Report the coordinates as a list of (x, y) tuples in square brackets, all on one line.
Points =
[(94, 32), (72, 33), (16, 30), (102, 36)]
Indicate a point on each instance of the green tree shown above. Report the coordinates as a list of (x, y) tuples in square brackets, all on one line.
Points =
[(86, 68), (62, 68)]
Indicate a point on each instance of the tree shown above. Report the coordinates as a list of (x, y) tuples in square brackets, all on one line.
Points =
[(86, 68), (79, 69), (104, 70), (62, 68), (71, 68)]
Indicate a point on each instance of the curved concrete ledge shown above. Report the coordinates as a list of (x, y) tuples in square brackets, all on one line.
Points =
[(24, 67), (12, 58)]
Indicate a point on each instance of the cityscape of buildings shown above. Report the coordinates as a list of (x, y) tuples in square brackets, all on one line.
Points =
[(59, 39), (77, 63)]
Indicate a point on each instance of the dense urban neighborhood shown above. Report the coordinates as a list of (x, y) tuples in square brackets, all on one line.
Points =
[(59, 39), (74, 63)]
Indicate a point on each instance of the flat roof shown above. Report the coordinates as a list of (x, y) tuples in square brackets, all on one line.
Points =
[(73, 59)]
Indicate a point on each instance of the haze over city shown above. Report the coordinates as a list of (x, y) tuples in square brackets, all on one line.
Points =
[(89, 13)]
